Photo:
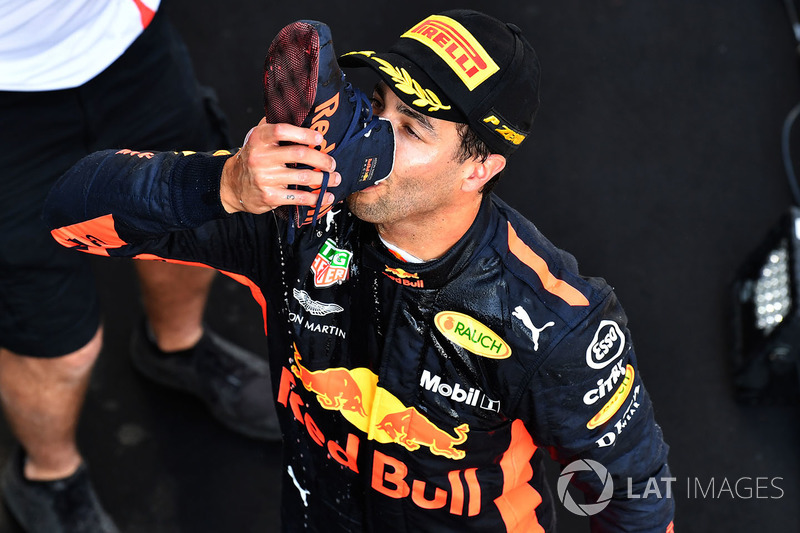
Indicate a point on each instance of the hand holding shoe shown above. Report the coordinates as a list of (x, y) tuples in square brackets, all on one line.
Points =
[(258, 177)]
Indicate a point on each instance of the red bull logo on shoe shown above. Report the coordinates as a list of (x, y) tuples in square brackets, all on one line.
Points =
[(457, 47), (470, 334), (331, 265), (318, 123)]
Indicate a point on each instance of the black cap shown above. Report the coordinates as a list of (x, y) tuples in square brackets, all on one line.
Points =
[(464, 66)]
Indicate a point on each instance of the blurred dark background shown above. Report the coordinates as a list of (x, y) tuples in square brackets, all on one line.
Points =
[(655, 160)]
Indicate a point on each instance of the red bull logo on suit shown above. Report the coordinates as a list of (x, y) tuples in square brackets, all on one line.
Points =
[(377, 412), (382, 417)]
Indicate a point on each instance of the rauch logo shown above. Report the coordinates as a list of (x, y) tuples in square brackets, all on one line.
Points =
[(469, 333)]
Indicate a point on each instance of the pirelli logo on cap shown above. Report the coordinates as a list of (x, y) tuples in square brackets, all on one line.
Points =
[(457, 47)]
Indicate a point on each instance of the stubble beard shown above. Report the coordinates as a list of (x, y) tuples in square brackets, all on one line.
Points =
[(376, 212)]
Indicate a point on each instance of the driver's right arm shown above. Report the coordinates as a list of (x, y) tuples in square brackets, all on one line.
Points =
[(129, 203)]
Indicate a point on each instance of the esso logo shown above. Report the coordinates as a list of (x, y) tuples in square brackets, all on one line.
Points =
[(607, 345)]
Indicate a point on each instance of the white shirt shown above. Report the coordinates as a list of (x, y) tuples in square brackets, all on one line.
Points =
[(60, 44)]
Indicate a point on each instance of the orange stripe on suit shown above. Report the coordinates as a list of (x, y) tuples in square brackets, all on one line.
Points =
[(518, 503), (551, 284)]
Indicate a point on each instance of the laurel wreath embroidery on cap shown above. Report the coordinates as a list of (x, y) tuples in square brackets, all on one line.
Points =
[(405, 83)]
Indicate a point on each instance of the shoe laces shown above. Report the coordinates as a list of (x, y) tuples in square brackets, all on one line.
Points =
[(361, 124)]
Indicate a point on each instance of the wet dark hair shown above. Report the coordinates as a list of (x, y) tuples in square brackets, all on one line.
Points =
[(472, 147)]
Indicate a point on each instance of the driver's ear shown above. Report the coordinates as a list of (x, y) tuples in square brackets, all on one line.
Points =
[(483, 171)]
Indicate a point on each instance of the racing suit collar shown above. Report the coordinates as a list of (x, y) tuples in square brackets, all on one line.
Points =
[(436, 273)]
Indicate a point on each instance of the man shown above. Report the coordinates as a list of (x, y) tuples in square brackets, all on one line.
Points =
[(79, 76), (428, 344)]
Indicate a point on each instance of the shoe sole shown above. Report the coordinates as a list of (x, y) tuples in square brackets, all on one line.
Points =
[(291, 72)]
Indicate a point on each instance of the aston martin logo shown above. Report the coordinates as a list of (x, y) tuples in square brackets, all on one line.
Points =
[(314, 307)]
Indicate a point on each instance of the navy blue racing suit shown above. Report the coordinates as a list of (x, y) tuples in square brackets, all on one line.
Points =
[(412, 396)]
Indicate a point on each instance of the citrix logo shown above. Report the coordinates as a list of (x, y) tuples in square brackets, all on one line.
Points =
[(458, 393)]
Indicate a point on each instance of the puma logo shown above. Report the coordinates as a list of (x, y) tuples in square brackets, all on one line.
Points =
[(520, 313), (303, 492), (329, 219)]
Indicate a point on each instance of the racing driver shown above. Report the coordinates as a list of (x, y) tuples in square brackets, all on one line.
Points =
[(428, 345)]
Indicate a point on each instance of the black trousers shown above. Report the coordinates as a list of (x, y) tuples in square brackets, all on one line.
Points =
[(149, 99)]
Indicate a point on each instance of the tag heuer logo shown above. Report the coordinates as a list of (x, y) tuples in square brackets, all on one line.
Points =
[(331, 265)]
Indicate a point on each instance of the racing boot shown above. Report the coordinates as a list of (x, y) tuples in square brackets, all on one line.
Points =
[(304, 86)]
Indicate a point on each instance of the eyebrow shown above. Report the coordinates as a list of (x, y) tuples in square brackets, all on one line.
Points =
[(404, 110)]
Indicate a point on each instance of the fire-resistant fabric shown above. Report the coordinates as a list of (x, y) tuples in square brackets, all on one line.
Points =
[(412, 397)]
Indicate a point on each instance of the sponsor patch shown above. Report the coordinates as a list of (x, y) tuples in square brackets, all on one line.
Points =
[(605, 386), (368, 169), (521, 314), (313, 306), (316, 327), (378, 413), (400, 273), (403, 277), (613, 405), (457, 393), (457, 47), (330, 265), (607, 345), (511, 135), (611, 437), (470, 334)]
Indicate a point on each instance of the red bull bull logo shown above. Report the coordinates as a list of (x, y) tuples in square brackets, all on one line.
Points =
[(377, 412), (382, 417), (402, 277), (400, 273), (411, 430)]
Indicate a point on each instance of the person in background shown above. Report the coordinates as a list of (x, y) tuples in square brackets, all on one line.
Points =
[(78, 76)]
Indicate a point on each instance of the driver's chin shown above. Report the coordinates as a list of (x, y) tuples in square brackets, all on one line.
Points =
[(358, 205)]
